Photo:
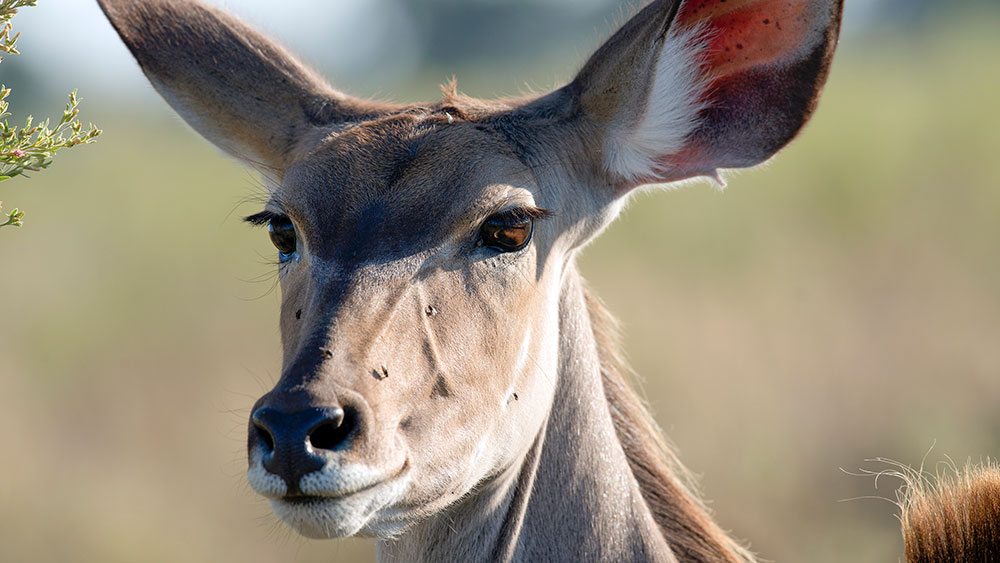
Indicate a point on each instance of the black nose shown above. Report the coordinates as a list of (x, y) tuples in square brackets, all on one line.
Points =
[(294, 443)]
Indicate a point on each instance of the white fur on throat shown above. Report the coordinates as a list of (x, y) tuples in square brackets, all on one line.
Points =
[(632, 151)]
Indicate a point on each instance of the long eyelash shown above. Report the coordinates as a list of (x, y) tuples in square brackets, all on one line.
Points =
[(521, 214), (261, 219)]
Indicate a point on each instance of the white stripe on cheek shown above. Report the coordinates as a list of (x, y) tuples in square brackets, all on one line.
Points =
[(522, 355)]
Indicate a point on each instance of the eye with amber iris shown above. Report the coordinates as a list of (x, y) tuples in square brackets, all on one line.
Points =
[(282, 234), (508, 231)]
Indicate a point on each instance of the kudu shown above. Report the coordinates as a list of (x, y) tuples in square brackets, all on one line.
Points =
[(448, 385)]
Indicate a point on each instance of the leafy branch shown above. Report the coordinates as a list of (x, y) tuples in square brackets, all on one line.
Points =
[(32, 147), (8, 9)]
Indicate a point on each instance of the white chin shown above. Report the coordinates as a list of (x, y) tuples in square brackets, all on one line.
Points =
[(366, 512), (323, 518)]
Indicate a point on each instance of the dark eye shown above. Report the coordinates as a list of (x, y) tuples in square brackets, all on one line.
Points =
[(282, 234), (506, 232)]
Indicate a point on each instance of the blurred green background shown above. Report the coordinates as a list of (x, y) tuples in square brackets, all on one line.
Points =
[(838, 304)]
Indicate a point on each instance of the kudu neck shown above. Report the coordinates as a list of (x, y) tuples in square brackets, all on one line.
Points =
[(572, 496)]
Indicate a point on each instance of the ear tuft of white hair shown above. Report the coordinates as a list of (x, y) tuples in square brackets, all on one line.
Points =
[(635, 151)]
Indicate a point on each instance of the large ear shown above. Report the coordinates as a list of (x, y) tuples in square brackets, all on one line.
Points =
[(234, 86), (690, 86)]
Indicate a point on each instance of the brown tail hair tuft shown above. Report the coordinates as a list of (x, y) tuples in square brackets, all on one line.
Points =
[(952, 517)]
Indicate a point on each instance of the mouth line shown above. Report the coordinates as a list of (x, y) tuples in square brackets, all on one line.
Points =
[(306, 500), (301, 499)]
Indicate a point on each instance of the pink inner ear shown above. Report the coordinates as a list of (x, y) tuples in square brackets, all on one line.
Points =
[(746, 34), (755, 100)]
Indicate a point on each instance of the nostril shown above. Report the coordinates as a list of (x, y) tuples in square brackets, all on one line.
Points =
[(334, 430), (264, 436), (262, 430)]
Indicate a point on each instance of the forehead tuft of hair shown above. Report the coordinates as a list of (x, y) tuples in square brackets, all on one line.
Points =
[(468, 108), (450, 89)]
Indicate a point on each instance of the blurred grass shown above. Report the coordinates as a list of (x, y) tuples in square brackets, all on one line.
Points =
[(838, 305)]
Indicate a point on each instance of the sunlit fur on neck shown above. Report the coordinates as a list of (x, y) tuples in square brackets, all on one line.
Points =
[(666, 485), (954, 516)]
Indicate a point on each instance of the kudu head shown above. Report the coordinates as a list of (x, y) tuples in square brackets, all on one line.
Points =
[(422, 248)]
